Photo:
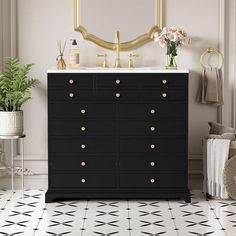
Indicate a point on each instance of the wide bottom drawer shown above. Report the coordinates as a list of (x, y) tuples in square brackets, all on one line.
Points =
[(75, 180), (153, 180)]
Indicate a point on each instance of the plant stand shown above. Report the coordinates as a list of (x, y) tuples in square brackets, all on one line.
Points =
[(12, 138)]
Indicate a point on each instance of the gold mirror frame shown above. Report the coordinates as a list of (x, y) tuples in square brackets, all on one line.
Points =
[(137, 42)]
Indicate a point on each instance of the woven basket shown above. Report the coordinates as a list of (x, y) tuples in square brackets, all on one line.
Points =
[(229, 173)]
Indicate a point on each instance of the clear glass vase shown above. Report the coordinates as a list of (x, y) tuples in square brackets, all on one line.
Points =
[(171, 62)]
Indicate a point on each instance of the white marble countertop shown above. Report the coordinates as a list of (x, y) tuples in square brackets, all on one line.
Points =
[(119, 70)]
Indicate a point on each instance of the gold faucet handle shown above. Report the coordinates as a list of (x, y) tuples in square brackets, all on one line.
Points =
[(105, 61), (131, 60)]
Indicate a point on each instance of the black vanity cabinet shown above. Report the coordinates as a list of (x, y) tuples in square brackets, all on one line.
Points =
[(117, 135)]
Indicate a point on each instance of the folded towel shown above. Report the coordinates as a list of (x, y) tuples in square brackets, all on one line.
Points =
[(216, 154), (210, 91)]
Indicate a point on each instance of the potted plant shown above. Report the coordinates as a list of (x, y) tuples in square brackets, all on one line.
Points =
[(14, 92)]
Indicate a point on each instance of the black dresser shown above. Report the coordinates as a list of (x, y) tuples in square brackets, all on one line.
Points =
[(117, 135)]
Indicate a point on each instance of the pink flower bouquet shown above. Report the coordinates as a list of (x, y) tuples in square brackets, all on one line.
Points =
[(171, 37)]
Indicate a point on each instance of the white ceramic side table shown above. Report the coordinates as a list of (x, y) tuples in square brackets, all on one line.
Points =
[(12, 138)]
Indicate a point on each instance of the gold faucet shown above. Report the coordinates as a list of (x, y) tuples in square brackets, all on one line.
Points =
[(117, 45)]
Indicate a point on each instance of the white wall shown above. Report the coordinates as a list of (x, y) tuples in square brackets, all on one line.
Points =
[(41, 23)]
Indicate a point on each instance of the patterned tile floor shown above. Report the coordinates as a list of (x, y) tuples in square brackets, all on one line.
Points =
[(32, 217)]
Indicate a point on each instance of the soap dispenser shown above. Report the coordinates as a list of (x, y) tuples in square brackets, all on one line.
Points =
[(74, 57)]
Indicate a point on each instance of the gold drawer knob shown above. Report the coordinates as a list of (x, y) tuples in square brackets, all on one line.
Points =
[(164, 95), (71, 95), (152, 146), (82, 111), (118, 81), (83, 163), (152, 111), (83, 146), (118, 95), (152, 181), (152, 163), (164, 81), (83, 128), (83, 181), (152, 128), (71, 81)]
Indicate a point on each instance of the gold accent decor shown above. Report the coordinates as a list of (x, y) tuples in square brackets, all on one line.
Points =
[(83, 163), (152, 163), (118, 95), (152, 146), (152, 181), (164, 95), (61, 64), (117, 44), (71, 81), (71, 95), (105, 62), (131, 60), (83, 128), (137, 42), (164, 81), (152, 128), (211, 50), (152, 111)]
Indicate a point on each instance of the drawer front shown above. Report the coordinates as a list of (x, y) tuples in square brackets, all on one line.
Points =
[(117, 81), (152, 111), (154, 180), (139, 95), (118, 95), (175, 162), (164, 81), (164, 95), (164, 145), (79, 180), (75, 110), (78, 162), (72, 95), (141, 80), (84, 145), (152, 128), (82, 127), (70, 80)]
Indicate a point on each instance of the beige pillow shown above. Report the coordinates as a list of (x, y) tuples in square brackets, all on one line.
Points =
[(216, 128)]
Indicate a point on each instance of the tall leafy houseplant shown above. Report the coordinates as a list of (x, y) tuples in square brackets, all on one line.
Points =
[(14, 92)]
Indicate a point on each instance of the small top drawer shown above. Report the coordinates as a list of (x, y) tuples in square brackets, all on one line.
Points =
[(164, 81), (70, 80), (117, 81)]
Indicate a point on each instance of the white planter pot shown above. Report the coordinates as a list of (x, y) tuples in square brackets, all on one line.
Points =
[(11, 123)]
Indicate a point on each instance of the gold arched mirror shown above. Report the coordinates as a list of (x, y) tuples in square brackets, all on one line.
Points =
[(136, 20)]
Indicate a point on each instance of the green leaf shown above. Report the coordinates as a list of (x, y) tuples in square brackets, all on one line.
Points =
[(14, 85)]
